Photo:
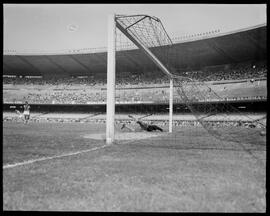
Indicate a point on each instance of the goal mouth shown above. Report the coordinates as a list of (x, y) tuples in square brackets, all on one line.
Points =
[(146, 37)]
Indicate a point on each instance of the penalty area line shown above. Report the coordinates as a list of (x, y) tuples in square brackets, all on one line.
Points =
[(52, 157)]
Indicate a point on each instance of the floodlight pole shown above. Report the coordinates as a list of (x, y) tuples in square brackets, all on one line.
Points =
[(110, 109), (171, 106)]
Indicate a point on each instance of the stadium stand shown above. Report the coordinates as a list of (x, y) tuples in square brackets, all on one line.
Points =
[(235, 72), (243, 81)]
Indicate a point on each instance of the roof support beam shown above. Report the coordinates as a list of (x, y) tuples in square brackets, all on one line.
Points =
[(101, 59), (57, 65), (255, 43), (30, 64), (220, 51), (81, 64), (7, 66), (133, 61)]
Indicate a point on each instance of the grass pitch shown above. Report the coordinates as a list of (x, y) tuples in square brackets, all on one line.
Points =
[(186, 171)]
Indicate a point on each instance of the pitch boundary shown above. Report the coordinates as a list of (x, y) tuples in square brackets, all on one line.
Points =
[(52, 157)]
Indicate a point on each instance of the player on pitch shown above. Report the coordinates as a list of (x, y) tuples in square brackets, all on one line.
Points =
[(144, 126), (26, 112)]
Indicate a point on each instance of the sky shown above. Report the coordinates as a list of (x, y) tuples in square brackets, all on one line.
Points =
[(31, 28)]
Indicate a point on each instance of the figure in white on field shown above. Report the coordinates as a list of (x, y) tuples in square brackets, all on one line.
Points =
[(143, 126), (19, 114), (26, 112)]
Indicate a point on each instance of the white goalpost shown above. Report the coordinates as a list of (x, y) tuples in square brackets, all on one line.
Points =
[(111, 67), (110, 108), (171, 106)]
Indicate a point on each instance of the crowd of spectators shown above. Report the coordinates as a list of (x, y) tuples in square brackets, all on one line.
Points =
[(234, 72), (54, 81), (156, 95), (98, 82), (84, 90)]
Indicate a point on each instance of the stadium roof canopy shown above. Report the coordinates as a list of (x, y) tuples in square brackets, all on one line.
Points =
[(192, 53)]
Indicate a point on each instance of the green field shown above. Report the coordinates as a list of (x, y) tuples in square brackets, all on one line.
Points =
[(188, 170)]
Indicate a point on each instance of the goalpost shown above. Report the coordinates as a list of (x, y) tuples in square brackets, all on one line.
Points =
[(110, 108), (111, 66)]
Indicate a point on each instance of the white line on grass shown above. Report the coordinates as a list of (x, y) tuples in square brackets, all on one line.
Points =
[(52, 157)]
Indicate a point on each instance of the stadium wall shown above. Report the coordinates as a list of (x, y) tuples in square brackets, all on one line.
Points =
[(242, 106)]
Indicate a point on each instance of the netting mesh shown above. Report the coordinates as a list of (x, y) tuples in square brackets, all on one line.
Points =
[(218, 117), (149, 31), (208, 111)]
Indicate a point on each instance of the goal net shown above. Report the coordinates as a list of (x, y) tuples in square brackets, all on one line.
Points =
[(143, 74)]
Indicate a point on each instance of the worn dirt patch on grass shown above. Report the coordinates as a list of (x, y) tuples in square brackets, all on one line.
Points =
[(125, 135)]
